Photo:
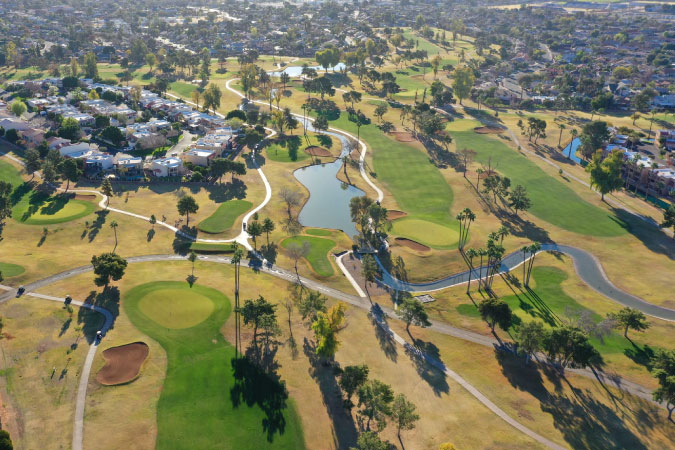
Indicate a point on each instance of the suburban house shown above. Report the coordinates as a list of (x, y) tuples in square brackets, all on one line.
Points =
[(166, 167), (199, 157), (668, 136), (14, 123), (33, 136), (127, 165), (217, 143), (96, 161), (77, 150), (56, 142)]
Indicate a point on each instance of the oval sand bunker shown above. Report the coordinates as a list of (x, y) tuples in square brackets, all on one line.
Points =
[(123, 363)]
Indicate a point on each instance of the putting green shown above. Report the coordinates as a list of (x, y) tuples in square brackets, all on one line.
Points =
[(209, 399), (176, 308), (38, 208), (11, 270), (428, 233), (224, 217)]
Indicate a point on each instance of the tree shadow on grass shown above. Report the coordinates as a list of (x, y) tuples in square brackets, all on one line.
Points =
[(97, 224), (582, 419), (223, 192), (343, 423), (382, 333), (427, 360), (254, 386), (653, 238), (181, 246), (93, 321), (643, 356)]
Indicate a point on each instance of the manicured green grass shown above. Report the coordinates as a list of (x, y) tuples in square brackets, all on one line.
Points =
[(287, 150), (205, 247), (318, 232), (552, 201), (224, 217), (176, 308), (11, 270), (38, 208), (427, 233), (9, 174), (209, 399), (318, 253), (417, 185), (182, 89)]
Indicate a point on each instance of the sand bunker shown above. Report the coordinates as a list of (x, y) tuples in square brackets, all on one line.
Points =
[(85, 196), (394, 214), (488, 130), (402, 136), (317, 151), (122, 364), (413, 245)]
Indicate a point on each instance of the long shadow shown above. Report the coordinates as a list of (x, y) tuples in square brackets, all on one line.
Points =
[(643, 356), (97, 224), (343, 423), (254, 386), (434, 377), (385, 339), (92, 321), (223, 192), (582, 419), (653, 238)]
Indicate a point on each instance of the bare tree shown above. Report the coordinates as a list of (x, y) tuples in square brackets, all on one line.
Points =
[(292, 199), (297, 251)]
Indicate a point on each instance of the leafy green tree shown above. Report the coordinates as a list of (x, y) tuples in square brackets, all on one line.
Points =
[(6, 190), (519, 200), (669, 218), (113, 134), (18, 108), (369, 440), (212, 96), (629, 318), (5, 441), (463, 80), (606, 172), (381, 110), (70, 171), (593, 134), (351, 379), (664, 371), (267, 228), (496, 312), (107, 267), (412, 311), (32, 162), (255, 230), (403, 414), (90, 65), (151, 60), (569, 345), (326, 327), (369, 269), (320, 123), (310, 305), (107, 190), (186, 206), (531, 338), (219, 167), (254, 313), (375, 399), (69, 129)]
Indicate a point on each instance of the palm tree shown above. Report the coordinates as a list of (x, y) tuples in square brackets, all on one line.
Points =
[(562, 127), (471, 254), (113, 225), (525, 249), (479, 171), (502, 233), (574, 134), (481, 252), (635, 116)]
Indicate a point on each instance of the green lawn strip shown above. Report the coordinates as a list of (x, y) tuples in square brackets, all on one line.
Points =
[(224, 217), (418, 187), (549, 302), (38, 208), (11, 270), (205, 247), (10, 174), (428, 233), (290, 149), (552, 201), (182, 89), (202, 403), (318, 253), (318, 232)]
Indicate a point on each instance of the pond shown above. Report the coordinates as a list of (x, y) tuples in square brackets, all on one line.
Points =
[(571, 153), (328, 204), (296, 71)]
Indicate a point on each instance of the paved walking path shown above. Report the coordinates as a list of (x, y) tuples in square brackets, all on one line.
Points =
[(78, 423), (586, 265)]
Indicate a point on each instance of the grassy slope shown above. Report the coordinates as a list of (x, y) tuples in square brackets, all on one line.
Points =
[(197, 407), (551, 199), (318, 253), (224, 217)]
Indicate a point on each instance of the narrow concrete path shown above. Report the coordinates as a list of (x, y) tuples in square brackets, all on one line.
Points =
[(587, 266), (78, 422)]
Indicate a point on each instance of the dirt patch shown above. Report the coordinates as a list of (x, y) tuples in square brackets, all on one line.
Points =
[(403, 136), (413, 245), (488, 130), (317, 151), (394, 214), (122, 364), (88, 197), (353, 266)]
